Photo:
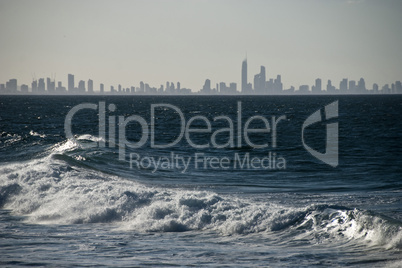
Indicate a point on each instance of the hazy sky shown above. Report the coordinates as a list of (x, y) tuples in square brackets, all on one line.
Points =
[(188, 41)]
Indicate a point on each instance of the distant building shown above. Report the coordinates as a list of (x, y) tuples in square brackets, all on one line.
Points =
[(41, 85), (206, 89), (24, 88), (142, 87), (291, 90), (48, 84), (51, 86), (172, 89), (375, 88), (398, 87), (316, 89), (269, 85), (244, 85), (81, 86), (343, 86), (90, 86), (352, 87), (330, 88), (60, 88), (278, 86), (102, 88), (70, 85), (259, 82), (223, 89), (34, 86), (246, 88), (304, 89), (385, 89), (11, 86), (167, 87), (361, 86), (233, 88)]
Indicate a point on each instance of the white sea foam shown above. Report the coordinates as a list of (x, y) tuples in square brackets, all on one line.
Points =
[(8, 138), (72, 144), (355, 225), (36, 134), (90, 137), (66, 146), (49, 191)]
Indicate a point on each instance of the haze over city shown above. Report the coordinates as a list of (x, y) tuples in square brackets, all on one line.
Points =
[(126, 42)]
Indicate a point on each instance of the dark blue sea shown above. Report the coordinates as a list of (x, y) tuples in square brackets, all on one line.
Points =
[(218, 181)]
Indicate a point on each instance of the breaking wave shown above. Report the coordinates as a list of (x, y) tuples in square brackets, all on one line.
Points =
[(61, 189)]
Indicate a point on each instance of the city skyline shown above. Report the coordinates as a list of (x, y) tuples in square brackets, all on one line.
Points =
[(261, 86), (188, 41)]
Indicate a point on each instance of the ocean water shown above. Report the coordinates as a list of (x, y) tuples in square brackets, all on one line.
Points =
[(72, 202)]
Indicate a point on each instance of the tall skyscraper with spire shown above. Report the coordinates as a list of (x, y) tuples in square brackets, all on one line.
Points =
[(244, 85)]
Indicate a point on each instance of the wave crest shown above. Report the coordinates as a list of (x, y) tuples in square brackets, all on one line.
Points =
[(48, 190)]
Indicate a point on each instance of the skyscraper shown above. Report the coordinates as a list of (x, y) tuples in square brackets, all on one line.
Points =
[(398, 87), (263, 77), (34, 86), (11, 86), (375, 88), (232, 88), (50, 85), (343, 85), (270, 86), (278, 86), (223, 88), (90, 86), (70, 82), (259, 82), (244, 86), (81, 86), (206, 89), (41, 85), (330, 88), (316, 89), (352, 86), (60, 88), (361, 86)]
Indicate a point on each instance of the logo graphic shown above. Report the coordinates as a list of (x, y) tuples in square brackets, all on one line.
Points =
[(330, 156), (113, 134)]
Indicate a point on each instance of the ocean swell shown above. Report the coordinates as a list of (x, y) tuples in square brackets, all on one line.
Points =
[(54, 190)]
